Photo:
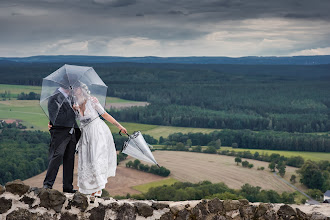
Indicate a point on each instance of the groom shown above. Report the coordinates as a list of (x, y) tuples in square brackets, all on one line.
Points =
[(65, 134)]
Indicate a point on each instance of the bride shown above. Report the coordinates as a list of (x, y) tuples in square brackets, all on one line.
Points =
[(97, 152)]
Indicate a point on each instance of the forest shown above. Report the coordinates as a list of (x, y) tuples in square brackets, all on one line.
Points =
[(291, 98), (23, 153)]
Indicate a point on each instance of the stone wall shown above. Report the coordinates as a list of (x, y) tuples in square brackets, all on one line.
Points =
[(19, 201)]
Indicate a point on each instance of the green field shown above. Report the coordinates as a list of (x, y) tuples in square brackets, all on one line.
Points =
[(145, 187), (165, 131), (316, 156), (17, 89)]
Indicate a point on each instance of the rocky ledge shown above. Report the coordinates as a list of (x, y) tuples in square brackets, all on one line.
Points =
[(19, 201)]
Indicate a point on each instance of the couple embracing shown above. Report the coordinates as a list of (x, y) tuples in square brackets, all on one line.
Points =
[(97, 158)]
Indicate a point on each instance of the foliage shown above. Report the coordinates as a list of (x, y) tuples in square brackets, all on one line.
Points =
[(161, 171), (23, 153), (315, 175), (238, 160), (181, 191), (30, 96)]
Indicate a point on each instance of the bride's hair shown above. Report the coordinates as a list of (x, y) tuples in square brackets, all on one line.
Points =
[(85, 93)]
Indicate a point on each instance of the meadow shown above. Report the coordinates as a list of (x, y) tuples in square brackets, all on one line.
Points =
[(315, 156)]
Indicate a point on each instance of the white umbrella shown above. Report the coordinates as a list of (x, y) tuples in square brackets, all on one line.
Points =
[(138, 148)]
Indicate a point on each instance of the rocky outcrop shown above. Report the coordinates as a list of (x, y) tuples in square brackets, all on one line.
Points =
[(22, 202)]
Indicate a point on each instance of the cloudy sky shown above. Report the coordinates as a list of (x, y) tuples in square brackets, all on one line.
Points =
[(164, 27)]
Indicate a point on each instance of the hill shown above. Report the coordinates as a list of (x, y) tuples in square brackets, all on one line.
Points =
[(294, 60)]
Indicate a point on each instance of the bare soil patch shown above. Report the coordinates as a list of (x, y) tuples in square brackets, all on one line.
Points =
[(119, 185), (196, 167)]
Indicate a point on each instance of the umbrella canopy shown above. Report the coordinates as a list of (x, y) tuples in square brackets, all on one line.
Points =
[(68, 78), (138, 148)]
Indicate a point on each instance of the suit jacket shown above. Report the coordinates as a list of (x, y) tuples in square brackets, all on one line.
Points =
[(61, 114), (62, 118)]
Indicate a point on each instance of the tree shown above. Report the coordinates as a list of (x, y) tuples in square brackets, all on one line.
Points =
[(311, 175), (217, 144), (136, 164), (234, 145), (293, 179), (238, 160), (210, 150), (250, 165), (256, 155), (245, 163), (189, 142), (271, 166)]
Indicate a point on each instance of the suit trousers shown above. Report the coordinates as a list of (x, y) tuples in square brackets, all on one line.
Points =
[(61, 151)]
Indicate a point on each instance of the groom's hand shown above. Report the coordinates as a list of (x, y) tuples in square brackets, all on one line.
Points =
[(49, 126)]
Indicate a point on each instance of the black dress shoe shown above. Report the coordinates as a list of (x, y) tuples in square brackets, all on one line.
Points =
[(70, 191)]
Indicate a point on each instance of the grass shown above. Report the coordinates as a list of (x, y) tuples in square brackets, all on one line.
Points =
[(165, 131), (145, 187), (315, 156), (17, 89)]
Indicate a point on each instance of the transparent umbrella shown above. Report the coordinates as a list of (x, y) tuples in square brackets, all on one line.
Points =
[(138, 148), (58, 91)]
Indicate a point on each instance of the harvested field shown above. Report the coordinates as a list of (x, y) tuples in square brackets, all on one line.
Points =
[(119, 185), (196, 167)]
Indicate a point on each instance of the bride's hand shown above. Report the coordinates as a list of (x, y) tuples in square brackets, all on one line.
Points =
[(122, 129), (75, 107), (94, 99)]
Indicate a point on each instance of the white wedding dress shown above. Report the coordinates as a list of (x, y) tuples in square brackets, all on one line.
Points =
[(96, 150)]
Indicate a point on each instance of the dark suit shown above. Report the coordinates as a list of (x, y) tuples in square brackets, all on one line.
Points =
[(64, 137)]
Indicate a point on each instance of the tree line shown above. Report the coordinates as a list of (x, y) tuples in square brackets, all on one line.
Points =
[(181, 191), (255, 140), (136, 164)]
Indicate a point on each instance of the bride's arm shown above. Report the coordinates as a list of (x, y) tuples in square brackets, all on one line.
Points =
[(113, 121)]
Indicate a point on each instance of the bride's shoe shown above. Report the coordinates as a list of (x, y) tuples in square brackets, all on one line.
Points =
[(92, 198), (98, 194)]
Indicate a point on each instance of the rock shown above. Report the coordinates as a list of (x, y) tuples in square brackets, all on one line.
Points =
[(27, 200), (286, 212), (143, 209), (21, 214), (80, 201), (5, 205), (68, 216), (183, 214), (175, 209), (216, 206), (35, 190), (97, 212), (318, 216), (231, 205), (17, 187), (200, 211), (247, 211), (265, 211), (167, 216), (51, 198), (2, 189), (158, 206), (126, 212), (244, 201), (261, 210), (301, 215), (219, 217)]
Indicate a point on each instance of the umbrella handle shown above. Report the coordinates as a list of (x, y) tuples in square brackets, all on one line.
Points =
[(122, 135)]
